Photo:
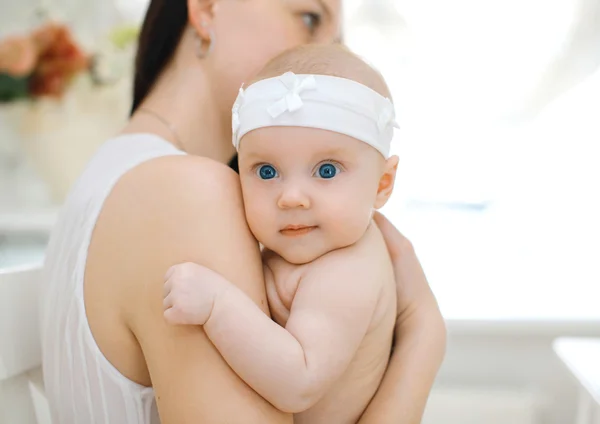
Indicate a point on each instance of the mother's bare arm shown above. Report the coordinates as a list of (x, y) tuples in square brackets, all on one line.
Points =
[(174, 210), (420, 339)]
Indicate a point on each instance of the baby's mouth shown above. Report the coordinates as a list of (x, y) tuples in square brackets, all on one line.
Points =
[(297, 230)]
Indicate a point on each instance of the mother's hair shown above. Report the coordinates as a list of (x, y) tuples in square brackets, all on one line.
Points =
[(161, 32)]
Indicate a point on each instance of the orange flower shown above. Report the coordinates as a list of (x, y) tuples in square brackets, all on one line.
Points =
[(18, 56), (49, 57), (59, 60)]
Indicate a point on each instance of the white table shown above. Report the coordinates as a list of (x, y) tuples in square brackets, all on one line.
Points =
[(582, 358), (23, 237), (39, 221), (22, 397)]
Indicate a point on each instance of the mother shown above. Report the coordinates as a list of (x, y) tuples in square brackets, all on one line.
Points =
[(160, 194)]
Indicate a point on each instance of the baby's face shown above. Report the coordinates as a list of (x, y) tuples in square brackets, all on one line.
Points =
[(308, 191)]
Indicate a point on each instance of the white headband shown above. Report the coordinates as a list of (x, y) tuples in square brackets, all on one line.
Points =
[(316, 101)]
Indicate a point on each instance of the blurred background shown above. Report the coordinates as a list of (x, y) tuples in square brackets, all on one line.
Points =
[(498, 186)]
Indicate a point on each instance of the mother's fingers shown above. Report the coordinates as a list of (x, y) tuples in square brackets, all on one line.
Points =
[(394, 239), (381, 220)]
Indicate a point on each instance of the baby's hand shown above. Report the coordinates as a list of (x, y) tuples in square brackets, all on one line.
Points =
[(189, 293)]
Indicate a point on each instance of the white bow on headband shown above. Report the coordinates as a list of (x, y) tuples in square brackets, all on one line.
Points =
[(316, 101), (292, 100)]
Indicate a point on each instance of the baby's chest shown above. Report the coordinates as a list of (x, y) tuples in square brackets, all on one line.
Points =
[(282, 283)]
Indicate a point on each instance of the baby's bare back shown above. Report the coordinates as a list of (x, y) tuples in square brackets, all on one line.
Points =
[(346, 400)]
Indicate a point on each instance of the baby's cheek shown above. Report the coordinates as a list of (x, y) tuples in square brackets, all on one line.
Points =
[(257, 218), (349, 220)]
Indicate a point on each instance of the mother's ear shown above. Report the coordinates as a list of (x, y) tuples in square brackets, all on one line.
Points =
[(200, 15)]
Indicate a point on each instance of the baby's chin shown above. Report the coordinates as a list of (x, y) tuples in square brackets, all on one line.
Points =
[(297, 254), (301, 258), (305, 250), (301, 255)]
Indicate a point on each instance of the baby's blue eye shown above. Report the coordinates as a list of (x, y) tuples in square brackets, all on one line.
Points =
[(327, 171), (267, 172)]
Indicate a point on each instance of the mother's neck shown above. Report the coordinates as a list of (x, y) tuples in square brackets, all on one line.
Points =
[(182, 97)]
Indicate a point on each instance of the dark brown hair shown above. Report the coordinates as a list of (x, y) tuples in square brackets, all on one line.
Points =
[(160, 35), (161, 32)]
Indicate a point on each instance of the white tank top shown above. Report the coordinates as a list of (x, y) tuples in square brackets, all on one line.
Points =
[(81, 384)]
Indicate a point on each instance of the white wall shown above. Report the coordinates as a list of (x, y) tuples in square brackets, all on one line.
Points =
[(88, 18)]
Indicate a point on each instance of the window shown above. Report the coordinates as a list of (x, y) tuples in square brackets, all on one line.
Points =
[(498, 184)]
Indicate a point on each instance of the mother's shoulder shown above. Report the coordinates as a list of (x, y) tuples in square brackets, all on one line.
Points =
[(186, 170), (184, 179), (174, 198)]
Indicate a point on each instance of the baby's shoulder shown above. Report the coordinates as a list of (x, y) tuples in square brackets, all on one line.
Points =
[(370, 249), (372, 242), (368, 256)]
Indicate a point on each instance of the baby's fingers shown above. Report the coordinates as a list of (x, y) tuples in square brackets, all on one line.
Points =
[(171, 271), (168, 301), (167, 287), (174, 317)]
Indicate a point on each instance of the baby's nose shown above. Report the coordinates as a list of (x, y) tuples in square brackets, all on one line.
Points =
[(293, 197)]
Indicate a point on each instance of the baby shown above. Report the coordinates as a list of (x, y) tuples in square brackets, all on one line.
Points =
[(313, 134)]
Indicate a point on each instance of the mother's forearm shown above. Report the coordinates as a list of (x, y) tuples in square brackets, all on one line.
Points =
[(417, 356)]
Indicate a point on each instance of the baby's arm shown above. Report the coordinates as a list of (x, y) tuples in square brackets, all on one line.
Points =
[(293, 367)]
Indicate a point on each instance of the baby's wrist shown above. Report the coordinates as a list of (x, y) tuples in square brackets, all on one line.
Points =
[(218, 295)]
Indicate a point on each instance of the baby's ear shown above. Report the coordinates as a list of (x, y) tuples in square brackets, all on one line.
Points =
[(386, 183)]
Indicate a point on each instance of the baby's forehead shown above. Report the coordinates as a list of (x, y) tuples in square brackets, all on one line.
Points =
[(297, 143)]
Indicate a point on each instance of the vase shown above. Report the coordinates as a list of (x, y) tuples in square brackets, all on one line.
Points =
[(59, 136)]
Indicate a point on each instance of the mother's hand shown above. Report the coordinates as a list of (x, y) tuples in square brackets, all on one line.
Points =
[(420, 341), (414, 293)]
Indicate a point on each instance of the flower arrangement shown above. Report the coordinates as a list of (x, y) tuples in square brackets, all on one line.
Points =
[(44, 62), (59, 101)]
